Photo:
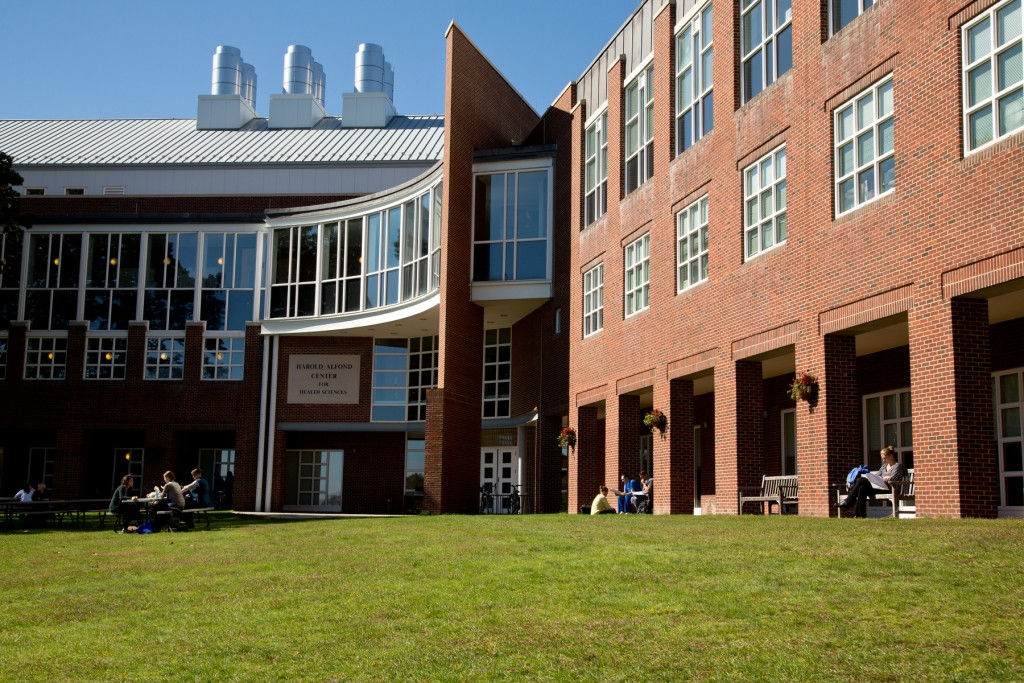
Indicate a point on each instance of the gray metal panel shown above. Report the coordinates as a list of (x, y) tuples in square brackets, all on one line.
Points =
[(634, 40), (176, 141)]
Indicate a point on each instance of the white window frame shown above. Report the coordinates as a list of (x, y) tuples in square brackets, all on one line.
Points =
[(755, 195), (46, 357), (865, 121), (872, 454), (692, 245), (990, 56), (42, 459), (1000, 409), (637, 276), (593, 300), (833, 15), (595, 151), (165, 357), (639, 116), (789, 412), (694, 78), (494, 385), (767, 44), (106, 357), (223, 358)]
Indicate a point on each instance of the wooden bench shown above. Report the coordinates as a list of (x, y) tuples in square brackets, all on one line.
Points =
[(781, 490), (899, 492), (178, 515)]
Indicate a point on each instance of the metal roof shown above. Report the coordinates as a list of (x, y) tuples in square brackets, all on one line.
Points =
[(176, 141)]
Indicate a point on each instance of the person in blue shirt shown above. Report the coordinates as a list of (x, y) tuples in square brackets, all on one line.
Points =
[(628, 487), (198, 495)]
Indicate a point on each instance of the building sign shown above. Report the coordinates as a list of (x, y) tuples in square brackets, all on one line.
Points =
[(323, 379)]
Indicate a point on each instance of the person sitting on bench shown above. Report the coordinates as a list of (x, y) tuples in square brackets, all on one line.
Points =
[(123, 504), (172, 496), (197, 495), (864, 488)]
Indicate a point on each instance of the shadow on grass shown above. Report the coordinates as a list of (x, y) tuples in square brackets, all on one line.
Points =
[(219, 521)]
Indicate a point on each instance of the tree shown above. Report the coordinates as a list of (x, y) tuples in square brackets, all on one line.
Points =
[(11, 219)]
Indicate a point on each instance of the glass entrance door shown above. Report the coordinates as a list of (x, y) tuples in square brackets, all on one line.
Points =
[(313, 481), (1009, 406), (499, 470)]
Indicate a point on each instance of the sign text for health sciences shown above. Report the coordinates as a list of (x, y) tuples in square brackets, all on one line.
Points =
[(323, 379)]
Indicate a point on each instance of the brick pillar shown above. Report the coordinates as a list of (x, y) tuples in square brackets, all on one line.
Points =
[(829, 432), (136, 369), (17, 340), (740, 403), (193, 371), (587, 465), (74, 371), (548, 496), (673, 451), (955, 458), (623, 431)]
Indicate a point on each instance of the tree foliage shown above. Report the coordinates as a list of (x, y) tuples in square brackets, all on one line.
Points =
[(10, 209)]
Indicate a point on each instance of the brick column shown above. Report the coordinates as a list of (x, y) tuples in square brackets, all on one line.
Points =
[(136, 369), (673, 451), (740, 403), (623, 430), (955, 458), (587, 465), (74, 370), (17, 340)]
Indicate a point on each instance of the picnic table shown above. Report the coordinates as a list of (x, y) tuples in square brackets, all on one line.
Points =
[(72, 509)]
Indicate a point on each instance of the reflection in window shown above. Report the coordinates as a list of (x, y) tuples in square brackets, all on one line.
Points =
[(842, 12), (766, 37), (638, 275), (51, 299), (640, 130), (313, 479), (46, 357), (596, 170), (170, 280), (228, 280), (511, 226), (889, 420), (993, 68), (112, 280), (223, 358), (694, 65), (165, 358), (106, 357), (498, 372), (11, 246), (764, 197), (865, 162), (403, 371)]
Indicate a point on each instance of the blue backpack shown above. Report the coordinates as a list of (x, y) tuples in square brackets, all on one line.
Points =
[(856, 472)]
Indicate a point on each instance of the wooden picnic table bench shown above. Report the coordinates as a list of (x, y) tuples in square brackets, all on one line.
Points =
[(900, 492)]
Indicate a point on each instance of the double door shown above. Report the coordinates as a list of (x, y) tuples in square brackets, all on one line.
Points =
[(499, 477)]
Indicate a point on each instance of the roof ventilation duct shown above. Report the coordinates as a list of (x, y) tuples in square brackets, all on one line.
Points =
[(372, 103), (301, 104), (231, 102)]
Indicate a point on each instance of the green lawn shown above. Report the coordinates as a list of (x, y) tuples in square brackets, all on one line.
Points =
[(524, 598)]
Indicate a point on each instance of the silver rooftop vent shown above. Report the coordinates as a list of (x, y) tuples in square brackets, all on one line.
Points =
[(232, 99), (302, 103), (372, 103)]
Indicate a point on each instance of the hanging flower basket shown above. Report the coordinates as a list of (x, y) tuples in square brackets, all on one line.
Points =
[(804, 386), (567, 437), (656, 420)]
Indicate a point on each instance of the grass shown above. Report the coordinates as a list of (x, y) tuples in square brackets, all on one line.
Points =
[(526, 598)]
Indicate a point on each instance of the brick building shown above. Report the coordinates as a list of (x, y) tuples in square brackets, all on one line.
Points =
[(768, 187), (732, 192)]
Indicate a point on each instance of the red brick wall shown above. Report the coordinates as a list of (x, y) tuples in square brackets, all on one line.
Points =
[(946, 212)]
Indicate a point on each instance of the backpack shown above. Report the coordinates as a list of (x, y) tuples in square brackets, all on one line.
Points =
[(856, 472)]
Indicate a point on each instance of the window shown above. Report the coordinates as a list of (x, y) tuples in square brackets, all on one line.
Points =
[(993, 76), (11, 246), (34, 191), (415, 456), (1009, 406), (640, 130), (789, 442), (865, 161), (74, 191), (313, 479), (596, 153), (106, 357), (171, 273), (558, 321), (165, 358), (403, 371), (593, 300), (638, 275), (766, 36), (128, 461), (694, 101), (218, 466), (51, 299), (223, 358), (692, 244), (112, 280), (497, 372), (228, 280), (511, 226), (46, 357), (764, 194), (842, 12), (359, 263), (3, 357), (887, 420)]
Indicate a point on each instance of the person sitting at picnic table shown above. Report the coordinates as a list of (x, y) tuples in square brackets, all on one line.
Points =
[(172, 496), (601, 506), (197, 495), (123, 504), (41, 493), (24, 495), (864, 488), (645, 493)]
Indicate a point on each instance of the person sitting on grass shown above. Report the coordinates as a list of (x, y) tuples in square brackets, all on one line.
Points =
[(601, 506)]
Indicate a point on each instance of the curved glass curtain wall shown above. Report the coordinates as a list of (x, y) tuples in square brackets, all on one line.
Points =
[(358, 262)]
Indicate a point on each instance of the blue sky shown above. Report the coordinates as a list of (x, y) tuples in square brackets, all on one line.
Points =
[(144, 59)]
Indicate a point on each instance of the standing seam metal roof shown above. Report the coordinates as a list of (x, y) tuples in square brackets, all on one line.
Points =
[(176, 141)]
